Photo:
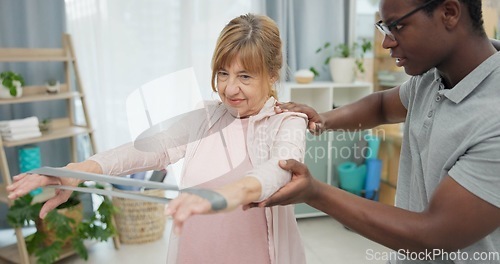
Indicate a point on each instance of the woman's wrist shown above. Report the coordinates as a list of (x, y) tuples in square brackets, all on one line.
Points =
[(85, 166), (241, 192)]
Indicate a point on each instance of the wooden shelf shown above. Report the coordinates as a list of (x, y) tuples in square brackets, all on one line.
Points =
[(26, 54), (70, 90), (40, 98), (3, 194), (52, 134)]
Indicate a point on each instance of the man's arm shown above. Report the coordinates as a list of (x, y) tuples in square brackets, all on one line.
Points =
[(373, 110), (454, 218)]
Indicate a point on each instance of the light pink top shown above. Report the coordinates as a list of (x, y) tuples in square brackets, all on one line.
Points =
[(254, 146)]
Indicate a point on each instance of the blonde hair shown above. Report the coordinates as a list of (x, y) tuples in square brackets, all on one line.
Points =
[(255, 40)]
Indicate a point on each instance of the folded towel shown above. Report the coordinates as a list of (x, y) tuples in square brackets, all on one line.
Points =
[(7, 131), (22, 136), (29, 121)]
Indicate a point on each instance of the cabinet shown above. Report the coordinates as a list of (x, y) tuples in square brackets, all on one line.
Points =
[(329, 149), (66, 127)]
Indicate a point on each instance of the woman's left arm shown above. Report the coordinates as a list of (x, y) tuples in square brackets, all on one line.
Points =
[(260, 183)]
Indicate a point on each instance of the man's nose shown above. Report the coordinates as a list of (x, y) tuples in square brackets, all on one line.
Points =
[(388, 42)]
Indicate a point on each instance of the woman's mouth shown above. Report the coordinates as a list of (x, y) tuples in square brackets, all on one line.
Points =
[(235, 101)]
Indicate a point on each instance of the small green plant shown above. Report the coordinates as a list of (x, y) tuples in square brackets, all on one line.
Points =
[(98, 226), (11, 81), (52, 82), (343, 50)]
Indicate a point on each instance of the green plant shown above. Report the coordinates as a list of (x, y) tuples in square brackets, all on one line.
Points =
[(52, 82), (343, 50), (11, 81), (63, 229)]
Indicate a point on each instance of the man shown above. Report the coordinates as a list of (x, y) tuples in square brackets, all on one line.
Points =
[(448, 193)]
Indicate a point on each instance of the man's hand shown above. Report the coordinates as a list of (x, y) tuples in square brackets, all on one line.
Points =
[(300, 189), (316, 123)]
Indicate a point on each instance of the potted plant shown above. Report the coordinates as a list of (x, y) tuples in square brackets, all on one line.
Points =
[(12, 84), (53, 86), (62, 227), (344, 60)]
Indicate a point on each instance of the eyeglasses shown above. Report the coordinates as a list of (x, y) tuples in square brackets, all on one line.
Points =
[(387, 29)]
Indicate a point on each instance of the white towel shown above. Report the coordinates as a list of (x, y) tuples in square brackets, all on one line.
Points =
[(22, 136), (7, 131), (29, 121)]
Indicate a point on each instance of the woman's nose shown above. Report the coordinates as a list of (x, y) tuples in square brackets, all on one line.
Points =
[(233, 86)]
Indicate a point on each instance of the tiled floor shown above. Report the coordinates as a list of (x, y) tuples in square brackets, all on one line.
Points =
[(326, 241)]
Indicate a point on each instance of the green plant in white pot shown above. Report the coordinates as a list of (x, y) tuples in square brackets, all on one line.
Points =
[(344, 60), (12, 84)]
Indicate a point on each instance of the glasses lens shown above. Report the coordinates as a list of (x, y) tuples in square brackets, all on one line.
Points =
[(384, 29)]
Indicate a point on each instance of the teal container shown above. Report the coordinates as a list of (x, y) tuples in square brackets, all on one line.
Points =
[(372, 185), (29, 159), (352, 177), (373, 146)]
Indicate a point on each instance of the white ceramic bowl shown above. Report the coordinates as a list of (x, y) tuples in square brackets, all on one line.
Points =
[(304, 76)]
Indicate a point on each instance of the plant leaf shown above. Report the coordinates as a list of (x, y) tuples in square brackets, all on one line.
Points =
[(80, 248), (316, 73), (22, 212), (49, 254)]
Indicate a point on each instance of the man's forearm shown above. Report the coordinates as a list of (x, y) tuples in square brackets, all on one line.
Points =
[(362, 114), (376, 221), (378, 108)]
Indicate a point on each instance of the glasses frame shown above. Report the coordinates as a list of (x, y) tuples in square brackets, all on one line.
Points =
[(386, 30)]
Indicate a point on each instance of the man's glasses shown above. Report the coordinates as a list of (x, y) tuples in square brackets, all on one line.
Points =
[(394, 25)]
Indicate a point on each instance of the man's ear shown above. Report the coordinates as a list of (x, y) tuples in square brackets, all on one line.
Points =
[(451, 13)]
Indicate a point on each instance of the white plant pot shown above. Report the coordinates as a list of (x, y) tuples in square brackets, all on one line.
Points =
[(5, 93), (53, 89), (343, 70)]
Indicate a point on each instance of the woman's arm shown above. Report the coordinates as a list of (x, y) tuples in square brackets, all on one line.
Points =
[(260, 183)]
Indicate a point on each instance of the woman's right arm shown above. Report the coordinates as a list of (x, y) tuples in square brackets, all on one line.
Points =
[(161, 149)]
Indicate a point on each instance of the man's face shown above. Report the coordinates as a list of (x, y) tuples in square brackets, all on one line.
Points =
[(418, 40)]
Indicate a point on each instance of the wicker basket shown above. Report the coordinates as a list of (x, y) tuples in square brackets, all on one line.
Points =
[(140, 222)]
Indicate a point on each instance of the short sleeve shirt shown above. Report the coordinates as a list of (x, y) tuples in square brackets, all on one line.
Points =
[(453, 132)]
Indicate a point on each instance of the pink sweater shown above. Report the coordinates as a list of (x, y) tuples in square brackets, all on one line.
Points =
[(254, 146)]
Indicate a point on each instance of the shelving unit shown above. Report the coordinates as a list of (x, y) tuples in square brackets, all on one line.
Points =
[(321, 155), (60, 128)]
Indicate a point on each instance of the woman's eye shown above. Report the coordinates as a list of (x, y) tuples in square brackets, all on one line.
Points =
[(222, 75), (245, 79)]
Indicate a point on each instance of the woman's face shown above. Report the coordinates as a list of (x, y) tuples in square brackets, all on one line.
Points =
[(241, 91)]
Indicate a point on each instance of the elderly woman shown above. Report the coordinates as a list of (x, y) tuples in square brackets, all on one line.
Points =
[(231, 158)]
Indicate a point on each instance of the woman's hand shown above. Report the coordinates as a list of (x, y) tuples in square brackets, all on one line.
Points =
[(316, 123), (24, 183), (204, 201)]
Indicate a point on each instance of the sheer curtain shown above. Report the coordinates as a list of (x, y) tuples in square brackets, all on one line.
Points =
[(122, 44), (307, 25)]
